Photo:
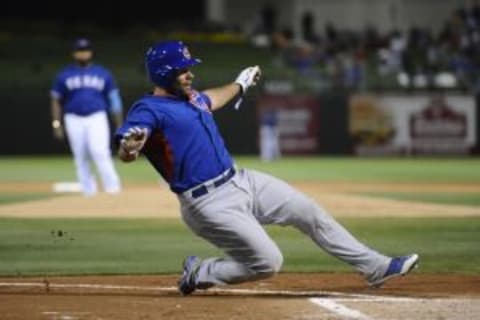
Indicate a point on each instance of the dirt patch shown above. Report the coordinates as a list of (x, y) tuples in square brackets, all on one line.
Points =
[(347, 205), (430, 297), (157, 201), (130, 308), (19, 187), (138, 201)]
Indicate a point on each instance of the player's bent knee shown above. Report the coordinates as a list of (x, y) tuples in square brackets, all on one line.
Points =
[(268, 266)]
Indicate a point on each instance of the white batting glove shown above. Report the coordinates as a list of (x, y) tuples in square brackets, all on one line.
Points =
[(248, 77), (134, 140)]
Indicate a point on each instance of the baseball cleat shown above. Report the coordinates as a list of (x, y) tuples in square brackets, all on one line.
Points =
[(186, 284), (399, 266)]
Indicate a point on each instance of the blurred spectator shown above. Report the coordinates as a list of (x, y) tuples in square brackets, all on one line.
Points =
[(330, 33), (470, 14), (353, 71), (264, 26), (397, 46), (418, 58), (269, 19), (298, 55), (282, 45), (308, 28)]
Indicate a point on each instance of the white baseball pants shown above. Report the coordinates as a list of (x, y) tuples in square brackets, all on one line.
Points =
[(230, 218), (269, 143), (89, 138)]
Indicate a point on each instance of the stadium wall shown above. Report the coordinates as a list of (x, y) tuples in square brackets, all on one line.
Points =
[(339, 123)]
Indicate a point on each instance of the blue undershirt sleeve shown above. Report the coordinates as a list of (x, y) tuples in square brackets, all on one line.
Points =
[(116, 106)]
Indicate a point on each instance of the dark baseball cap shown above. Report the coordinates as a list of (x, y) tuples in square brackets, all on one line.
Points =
[(82, 44)]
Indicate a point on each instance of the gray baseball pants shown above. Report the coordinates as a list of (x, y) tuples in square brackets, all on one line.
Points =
[(231, 218)]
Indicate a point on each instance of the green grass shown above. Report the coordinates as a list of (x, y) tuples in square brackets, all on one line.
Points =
[(461, 170), (139, 246), (468, 199), (6, 198), (371, 169)]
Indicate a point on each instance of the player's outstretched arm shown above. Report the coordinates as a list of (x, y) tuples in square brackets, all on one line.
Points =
[(116, 107), (56, 111), (220, 96), (131, 144)]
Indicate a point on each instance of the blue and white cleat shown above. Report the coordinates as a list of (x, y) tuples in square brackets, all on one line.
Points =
[(399, 266), (187, 283)]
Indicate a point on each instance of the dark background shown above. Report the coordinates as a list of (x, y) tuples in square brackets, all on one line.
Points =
[(105, 13), (36, 40)]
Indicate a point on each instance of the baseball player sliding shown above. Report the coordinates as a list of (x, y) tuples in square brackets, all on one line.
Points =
[(175, 129), (83, 92)]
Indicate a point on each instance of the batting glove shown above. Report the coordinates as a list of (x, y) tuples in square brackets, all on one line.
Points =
[(134, 139), (248, 77)]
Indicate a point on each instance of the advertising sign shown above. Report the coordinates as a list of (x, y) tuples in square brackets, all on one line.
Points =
[(295, 118), (417, 124)]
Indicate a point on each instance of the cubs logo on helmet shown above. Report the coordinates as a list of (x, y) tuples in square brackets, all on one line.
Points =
[(164, 58)]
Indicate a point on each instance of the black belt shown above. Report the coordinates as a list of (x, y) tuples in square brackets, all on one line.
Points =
[(203, 190)]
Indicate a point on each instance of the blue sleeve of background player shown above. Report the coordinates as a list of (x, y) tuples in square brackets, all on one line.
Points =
[(113, 93), (139, 116), (110, 83), (115, 100)]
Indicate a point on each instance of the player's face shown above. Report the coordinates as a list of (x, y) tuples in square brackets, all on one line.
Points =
[(183, 82), (82, 56)]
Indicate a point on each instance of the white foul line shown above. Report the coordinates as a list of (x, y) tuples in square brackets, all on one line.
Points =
[(338, 296), (235, 291), (339, 309)]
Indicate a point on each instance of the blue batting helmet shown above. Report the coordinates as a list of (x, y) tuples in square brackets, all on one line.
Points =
[(164, 58)]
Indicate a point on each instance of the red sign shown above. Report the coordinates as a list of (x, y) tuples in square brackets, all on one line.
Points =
[(296, 119), (438, 128)]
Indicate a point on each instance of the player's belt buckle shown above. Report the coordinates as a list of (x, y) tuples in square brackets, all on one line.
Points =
[(204, 189)]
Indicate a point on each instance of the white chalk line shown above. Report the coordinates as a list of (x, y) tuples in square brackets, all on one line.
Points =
[(334, 305), (65, 315), (339, 309), (63, 312), (166, 289)]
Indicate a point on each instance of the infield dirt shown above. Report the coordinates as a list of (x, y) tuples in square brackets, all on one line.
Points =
[(340, 199), (142, 297)]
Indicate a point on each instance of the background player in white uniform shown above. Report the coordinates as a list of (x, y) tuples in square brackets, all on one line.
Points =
[(175, 129), (269, 135), (82, 93)]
